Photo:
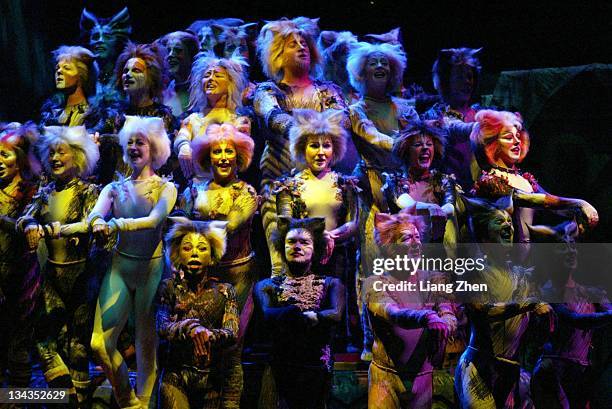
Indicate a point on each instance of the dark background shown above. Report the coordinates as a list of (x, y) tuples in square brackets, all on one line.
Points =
[(514, 34)]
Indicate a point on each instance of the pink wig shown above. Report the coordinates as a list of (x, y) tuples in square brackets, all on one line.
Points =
[(388, 227), (486, 131), (216, 133)]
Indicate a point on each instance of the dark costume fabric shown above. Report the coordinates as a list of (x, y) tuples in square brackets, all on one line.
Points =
[(64, 321), (54, 112), (19, 286), (187, 380), (302, 359)]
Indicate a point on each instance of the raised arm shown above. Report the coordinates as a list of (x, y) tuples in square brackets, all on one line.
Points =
[(366, 130), (582, 321), (267, 106)]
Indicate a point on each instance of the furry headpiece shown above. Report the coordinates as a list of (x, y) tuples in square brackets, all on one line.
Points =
[(308, 122), (118, 26), (358, 57), (84, 149), (335, 48), (154, 58), (21, 139), (316, 227), (237, 38), (447, 58), (482, 211), (236, 71), (209, 31), (439, 136), (393, 37), (388, 227), (214, 231), (485, 134), (216, 133), (154, 130), (271, 43), (85, 63), (187, 38)]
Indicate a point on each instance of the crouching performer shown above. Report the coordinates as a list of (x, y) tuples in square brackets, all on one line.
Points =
[(197, 315), (410, 329), (301, 309), (139, 206)]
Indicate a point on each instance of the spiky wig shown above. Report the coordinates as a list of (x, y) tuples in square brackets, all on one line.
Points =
[(118, 26), (447, 58), (482, 211), (439, 136), (389, 227), (485, 134), (154, 57), (214, 231), (316, 227), (307, 123), (189, 40), (235, 68), (358, 58), (84, 149), (216, 133), (271, 44), (154, 130), (85, 63), (21, 140)]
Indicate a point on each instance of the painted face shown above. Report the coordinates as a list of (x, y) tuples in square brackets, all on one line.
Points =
[(134, 77), (8, 163), (139, 151), (319, 152), (61, 161), (421, 152), (509, 145), (410, 236), (215, 81), (223, 157), (207, 39), (195, 253), (461, 83), (178, 60), (299, 246), (296, 52), (66, 74), (102, 42), (377, 69), (500, 228)]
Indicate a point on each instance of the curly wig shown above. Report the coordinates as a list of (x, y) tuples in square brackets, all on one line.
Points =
[(21, 139), (485, 134), (358, 58), (154, 58), (307, 123), (83, 148), (235, 68), (389, 227), (316, 227), (447, 58), (85, 63), (154, 130), (271, 44), (439, 136), (214, 231), (216, 133)]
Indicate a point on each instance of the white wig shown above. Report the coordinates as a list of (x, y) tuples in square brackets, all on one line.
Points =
[(358, 58), (236, 71), (308, 122), (84, 149), (271, 43), (151, 128)]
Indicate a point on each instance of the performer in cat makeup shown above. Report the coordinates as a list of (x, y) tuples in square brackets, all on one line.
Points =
[(138, 206), (198, 317), (58, 214), (76, 72), (19, 273), (301, 309)]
